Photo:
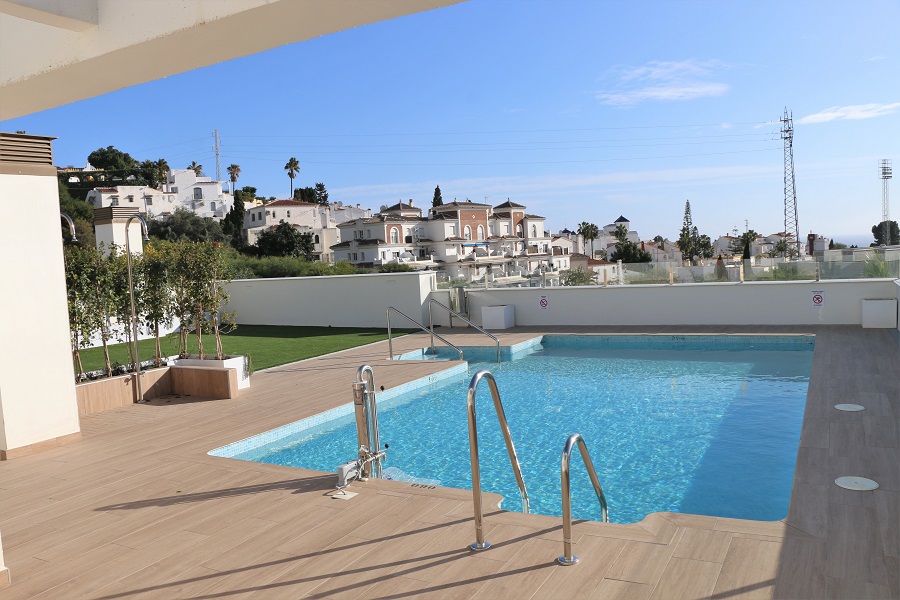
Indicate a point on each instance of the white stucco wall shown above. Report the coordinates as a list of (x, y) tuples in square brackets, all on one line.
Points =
[(338, 301), (37, 387), (114, 233), (770, 303)]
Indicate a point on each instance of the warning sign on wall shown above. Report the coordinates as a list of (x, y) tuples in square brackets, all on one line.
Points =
[(544, 302), (818, 298)]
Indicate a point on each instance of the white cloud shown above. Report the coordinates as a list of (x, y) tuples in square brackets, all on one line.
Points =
[(876, 58), (665, 81), (853, 112)]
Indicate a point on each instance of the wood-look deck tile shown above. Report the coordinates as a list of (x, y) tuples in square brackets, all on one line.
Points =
[(596, 557), (749, 571), (686, 579), (641, 562), (703, 544), (527, 570), (613, 589)]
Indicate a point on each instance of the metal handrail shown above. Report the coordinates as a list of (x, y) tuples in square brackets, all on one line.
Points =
[(420, 326), (480, 544), (453, 312), (567, 557), (367, 432)]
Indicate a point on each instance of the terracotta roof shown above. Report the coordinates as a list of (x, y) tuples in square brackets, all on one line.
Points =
[(457, 204), (401, 206), (106, 190), (508, 204), (534, 217), (341, 244)]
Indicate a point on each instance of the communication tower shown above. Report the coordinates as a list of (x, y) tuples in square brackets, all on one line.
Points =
[(886, 174), (216, 149), (791, 226)]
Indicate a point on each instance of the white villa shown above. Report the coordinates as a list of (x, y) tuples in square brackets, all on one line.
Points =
[(319, 220), (468, 240), (146, 199), (200, 195)]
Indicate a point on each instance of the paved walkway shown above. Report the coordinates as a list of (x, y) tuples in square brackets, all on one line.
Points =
[(137, 509)]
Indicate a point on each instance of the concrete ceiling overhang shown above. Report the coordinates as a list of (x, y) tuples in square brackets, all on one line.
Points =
[(53, 52)]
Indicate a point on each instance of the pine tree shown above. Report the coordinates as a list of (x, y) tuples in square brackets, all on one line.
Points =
[(688, 231), (438, 200)]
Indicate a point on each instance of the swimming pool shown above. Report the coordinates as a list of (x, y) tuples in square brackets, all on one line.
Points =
[(695, 424)]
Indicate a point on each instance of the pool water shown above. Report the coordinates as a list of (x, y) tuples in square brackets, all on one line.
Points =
[(671, 423)]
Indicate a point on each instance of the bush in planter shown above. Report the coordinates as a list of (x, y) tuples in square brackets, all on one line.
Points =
[(156, 300)]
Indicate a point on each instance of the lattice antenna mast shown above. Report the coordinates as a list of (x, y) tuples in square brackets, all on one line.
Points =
[(218, 160), (791, 226), (886, 174)]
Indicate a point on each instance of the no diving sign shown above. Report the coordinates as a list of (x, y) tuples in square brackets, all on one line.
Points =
[(818, 299), (544, 302)]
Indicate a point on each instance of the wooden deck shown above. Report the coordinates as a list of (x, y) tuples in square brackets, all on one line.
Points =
[(137, 509)]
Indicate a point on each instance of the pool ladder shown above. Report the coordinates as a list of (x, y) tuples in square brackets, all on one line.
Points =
[(568, 558), (480, 543), (391, 309), (459, 316)]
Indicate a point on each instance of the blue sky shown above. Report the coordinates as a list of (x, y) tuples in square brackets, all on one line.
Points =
[(582, 111)]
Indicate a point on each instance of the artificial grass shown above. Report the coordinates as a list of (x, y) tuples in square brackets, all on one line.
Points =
[(267, 345)]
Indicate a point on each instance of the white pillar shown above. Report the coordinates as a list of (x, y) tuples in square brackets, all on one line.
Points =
[(37, 383)]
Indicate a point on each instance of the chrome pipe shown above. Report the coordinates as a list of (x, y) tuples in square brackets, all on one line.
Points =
[(480, 543), (134, 326), (417, 324), (390, 339), (568, 558), (71, 223)]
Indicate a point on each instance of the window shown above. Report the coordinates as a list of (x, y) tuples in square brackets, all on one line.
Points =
[(316, 240), (198, 193), (368, 233), (130, 198), (360, 236), (520, 230), (480, 232), (114, 201), (506, 229), (362, 256), (174, 189), (395, 237), (534, 231), (354, 256), (453, 231), (212, 206), (467, 233), (289, 214), (148, 200), (252, 217)]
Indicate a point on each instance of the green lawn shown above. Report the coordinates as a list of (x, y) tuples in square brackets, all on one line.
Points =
[(267, 345)]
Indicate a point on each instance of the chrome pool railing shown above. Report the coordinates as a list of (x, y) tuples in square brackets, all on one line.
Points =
[(367, 433), (568, 558), (420, 326), (479, 543), (452, 313)]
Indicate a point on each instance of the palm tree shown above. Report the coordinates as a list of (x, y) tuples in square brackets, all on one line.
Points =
[(589, 231), (234, 171), (197, 169), (292, 167)]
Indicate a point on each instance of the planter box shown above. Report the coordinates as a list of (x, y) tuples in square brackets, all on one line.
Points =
[(114, 392), (240, 364)]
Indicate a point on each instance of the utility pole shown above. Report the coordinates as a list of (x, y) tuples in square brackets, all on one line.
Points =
[(218, 160), (790, 192), (886, 174)]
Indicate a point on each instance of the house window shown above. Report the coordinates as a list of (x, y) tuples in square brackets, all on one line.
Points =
[(130, 198), (362, 256), (114, 201), (149, 201), (395, 237), (354, 256), (520, 230), (252, 217), (468, 233), (198, 193), (534, 231), (480, 232), (289, 214), (506, 229), (212, 206), (174, 189), (453, 232), (316, 240)]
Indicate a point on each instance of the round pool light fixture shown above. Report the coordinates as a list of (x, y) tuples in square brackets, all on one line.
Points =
[(860, 484)]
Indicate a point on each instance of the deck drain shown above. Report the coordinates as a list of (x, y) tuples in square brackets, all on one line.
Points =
[(856, 483), (850, 407)]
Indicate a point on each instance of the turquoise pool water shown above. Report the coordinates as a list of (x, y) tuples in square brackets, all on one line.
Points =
[(695, 424)]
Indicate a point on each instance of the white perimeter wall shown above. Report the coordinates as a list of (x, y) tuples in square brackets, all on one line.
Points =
[(37, 385), (770, 303), (339, 301)]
